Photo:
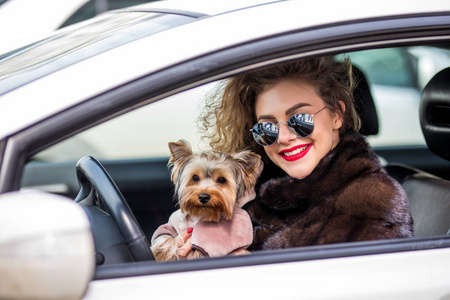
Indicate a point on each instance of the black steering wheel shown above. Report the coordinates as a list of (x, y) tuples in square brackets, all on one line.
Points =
[(94, 179)]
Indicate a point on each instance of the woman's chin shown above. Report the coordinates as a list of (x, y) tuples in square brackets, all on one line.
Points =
[(299, 172)]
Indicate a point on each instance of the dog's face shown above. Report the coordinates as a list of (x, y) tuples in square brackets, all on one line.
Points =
[(207, 189), (207, 185)]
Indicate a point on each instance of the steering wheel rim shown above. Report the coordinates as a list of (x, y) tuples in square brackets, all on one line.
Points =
[(92, 174)]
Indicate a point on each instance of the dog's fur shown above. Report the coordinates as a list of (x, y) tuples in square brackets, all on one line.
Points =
[(207, 186)]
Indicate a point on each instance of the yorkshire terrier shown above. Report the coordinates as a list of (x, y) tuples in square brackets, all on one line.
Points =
[(207, 188)]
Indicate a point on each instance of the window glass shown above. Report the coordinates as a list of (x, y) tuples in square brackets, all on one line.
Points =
[(92, 38), (94, 7)]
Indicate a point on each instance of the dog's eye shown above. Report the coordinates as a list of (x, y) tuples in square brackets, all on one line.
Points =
[(221, 180), (196, 178)]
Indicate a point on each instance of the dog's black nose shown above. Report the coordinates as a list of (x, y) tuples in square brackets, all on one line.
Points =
[(204, 198)]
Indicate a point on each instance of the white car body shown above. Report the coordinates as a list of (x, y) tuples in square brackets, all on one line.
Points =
[(388, 276)]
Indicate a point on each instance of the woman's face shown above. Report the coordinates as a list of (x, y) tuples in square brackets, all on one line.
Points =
[(281, 101)]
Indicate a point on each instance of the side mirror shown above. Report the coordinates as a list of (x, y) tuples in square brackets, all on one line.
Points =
[(46, 247)]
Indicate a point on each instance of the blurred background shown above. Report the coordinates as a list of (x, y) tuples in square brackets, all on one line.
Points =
[(25, 21)]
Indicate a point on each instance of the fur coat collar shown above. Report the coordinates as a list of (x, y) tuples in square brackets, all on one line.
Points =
[(348, 197)]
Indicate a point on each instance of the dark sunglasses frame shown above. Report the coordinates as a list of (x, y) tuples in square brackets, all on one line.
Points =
[(266, 133)]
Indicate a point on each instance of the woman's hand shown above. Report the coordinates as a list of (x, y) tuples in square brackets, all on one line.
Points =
[(185, 245)]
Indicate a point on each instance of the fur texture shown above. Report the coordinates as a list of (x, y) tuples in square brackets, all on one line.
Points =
[(348, 197), (207, 186)]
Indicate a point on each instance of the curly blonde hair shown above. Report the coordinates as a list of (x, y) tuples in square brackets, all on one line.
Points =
[(229, 114)]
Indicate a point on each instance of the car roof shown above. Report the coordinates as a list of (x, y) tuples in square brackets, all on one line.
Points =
[(234, 23)]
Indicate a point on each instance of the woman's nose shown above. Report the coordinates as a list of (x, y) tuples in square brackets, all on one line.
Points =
[(285, 136)]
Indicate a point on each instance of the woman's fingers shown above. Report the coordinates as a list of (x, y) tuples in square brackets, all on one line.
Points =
[(185, 245), (184, 250), (185, 235)]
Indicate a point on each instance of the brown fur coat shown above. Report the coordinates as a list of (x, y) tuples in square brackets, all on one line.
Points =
[(348, 197)]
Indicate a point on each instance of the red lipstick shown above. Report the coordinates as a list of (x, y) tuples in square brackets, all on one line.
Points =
[(296, 156)]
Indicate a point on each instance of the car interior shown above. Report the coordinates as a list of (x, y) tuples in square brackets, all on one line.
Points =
[(139, 188), (427, 193)]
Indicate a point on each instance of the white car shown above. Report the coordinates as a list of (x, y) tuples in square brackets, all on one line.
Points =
[(87, 113)]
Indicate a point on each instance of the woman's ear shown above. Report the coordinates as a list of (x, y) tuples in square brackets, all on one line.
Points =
[(339, 116)]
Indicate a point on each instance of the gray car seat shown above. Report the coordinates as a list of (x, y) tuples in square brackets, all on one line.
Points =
[(429, 195)]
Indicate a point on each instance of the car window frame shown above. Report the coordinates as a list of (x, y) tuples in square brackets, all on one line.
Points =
[(293, 45)]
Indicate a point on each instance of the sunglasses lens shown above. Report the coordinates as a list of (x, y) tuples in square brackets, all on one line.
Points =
[(303, 124), (265, 133)]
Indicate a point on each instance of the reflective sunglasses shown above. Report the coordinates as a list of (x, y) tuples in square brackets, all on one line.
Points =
[(266, 133)]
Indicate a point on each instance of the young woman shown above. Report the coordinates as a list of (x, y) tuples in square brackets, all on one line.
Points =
[(321, 181)]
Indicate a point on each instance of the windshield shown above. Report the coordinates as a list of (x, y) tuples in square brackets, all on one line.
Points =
[(74, 44)]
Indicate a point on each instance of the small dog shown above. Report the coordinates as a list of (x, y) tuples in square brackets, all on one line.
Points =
[(207, 188)]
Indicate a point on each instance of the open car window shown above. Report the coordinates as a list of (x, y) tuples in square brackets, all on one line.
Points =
[(134, 147), (396, 77)]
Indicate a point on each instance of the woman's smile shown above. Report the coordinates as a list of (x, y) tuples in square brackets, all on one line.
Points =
[(297, 155), (296, 152)]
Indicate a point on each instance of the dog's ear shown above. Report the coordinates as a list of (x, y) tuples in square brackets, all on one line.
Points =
[(251, 167), (179, 151)]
